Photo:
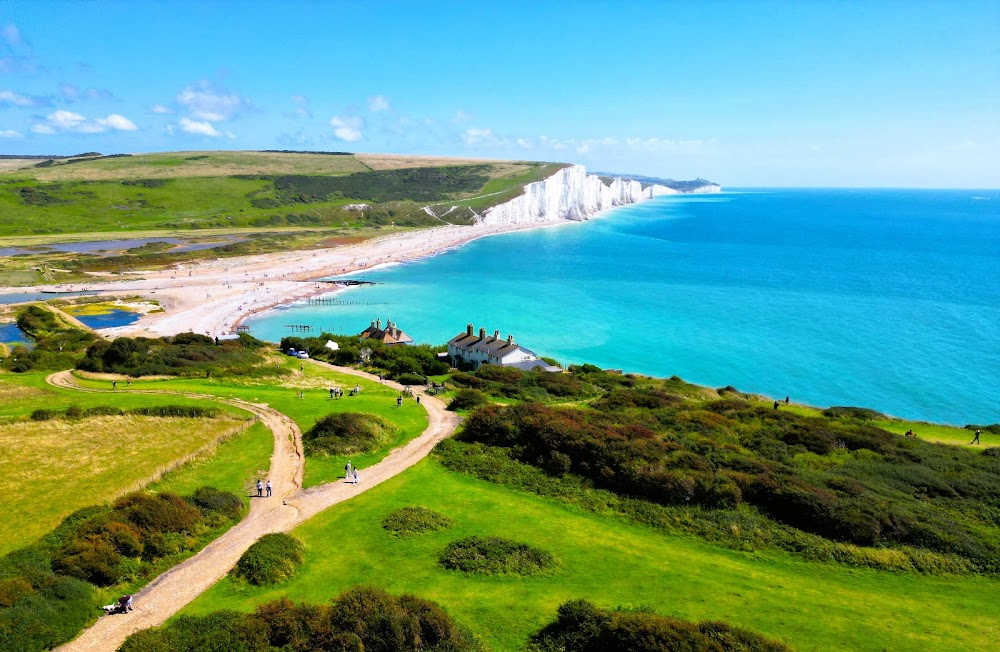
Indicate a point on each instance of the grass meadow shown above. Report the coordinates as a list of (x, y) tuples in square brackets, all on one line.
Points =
[(58, 466), (314, 381), (809, 605)]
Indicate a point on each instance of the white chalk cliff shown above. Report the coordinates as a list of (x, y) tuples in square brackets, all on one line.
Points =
[(570, 194)]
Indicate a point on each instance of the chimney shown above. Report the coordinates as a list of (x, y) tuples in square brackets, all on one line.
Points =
[(373, 323), (482, 333), (468, 329), (510, 339), (496, 335)]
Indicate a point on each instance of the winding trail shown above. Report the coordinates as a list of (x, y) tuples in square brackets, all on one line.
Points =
[(175, 588)]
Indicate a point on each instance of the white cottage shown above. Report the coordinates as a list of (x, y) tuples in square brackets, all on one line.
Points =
[(482, 349)]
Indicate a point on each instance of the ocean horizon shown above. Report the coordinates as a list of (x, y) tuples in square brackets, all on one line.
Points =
[(880, 298)]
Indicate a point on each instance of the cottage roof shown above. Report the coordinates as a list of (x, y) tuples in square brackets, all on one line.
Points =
[(389, 335)]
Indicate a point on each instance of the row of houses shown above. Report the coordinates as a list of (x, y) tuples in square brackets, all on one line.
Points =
[(467, 348)]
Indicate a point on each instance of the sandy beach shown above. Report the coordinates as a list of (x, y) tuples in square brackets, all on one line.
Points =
[(212, 297)]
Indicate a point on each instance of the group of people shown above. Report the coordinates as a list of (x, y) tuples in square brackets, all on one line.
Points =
[(337, 393), (399, 399), (261, 487), (351, 473)]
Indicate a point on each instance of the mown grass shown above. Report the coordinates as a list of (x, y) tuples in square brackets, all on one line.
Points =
[(314, 382), (811, 606), (233, 466), (56, 467)]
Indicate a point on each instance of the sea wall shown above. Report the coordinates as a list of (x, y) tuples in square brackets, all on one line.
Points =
[(569, 194)]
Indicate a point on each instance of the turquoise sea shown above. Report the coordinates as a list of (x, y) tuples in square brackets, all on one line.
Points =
[(881, 298)]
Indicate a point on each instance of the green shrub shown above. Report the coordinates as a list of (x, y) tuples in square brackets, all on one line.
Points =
[(43, 415), (103, 411), (158, 513), (347, 433), (415, 520), (495, 556), (467, 399), (177, 411), (273, 558), (360, 620), (582, 627), (214, 501), (411, 379), (860, 413)]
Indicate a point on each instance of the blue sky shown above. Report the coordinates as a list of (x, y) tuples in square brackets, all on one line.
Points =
[(896, 94)]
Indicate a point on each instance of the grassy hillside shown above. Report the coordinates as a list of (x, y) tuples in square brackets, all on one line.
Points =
[(242, 190)]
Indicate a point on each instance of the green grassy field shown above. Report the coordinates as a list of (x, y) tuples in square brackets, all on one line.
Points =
[(58, 466), (315, 382), (218, 190), (811, 606), (231, 466)]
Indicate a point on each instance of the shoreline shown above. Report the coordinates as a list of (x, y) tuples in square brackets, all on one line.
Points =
[(214, 297)]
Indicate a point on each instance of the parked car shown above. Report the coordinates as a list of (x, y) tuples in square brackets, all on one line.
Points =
[(303, 355)]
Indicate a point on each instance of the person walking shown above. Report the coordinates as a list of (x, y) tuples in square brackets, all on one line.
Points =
[(775, 405), (114, 384), (347, 470), (975, 440), (268, 488), (355, 476), (418, 399), (260, 488), (399, 401), (331, 392)]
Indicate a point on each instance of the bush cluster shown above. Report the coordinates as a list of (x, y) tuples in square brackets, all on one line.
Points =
[(415, 520), (185, 354), (580, 626), (362, 619), (511, 383), (174, 411), (273, 558), (467, 399), (347, 433), (48, 590), (395, 362), (495, 556), (839, 477)]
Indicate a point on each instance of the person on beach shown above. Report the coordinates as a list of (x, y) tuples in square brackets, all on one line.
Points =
[(975, 439), (260, 489), (268, 488)]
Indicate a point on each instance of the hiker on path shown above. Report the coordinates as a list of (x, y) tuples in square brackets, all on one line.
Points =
[(418, 399), (268, 488), (347, 470), (975, 439), (114, 384), (355, 476), (260, 489)]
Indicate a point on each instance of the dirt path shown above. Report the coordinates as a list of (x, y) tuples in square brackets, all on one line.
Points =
[(171, 591)]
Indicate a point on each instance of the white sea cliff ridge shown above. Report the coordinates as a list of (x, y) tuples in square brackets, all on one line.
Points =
[(572, 194)]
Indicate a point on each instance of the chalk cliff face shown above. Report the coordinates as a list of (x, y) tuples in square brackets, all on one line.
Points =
[(711, 188), (569, 194)]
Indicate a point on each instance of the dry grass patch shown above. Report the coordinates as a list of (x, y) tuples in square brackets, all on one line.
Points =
[(9, 392), (50, 469), (400, 161)]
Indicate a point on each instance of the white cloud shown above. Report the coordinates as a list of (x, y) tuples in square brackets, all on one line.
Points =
[(161, 109), (347, 128), (120, 122), (190, 126), (10, 98), (378, 103), (9, 133), (525, 143), (62, 120), (71, 93), (207, 103), (474, 136), (461, 116), (301, 106), (12, 35), (584, 148)]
